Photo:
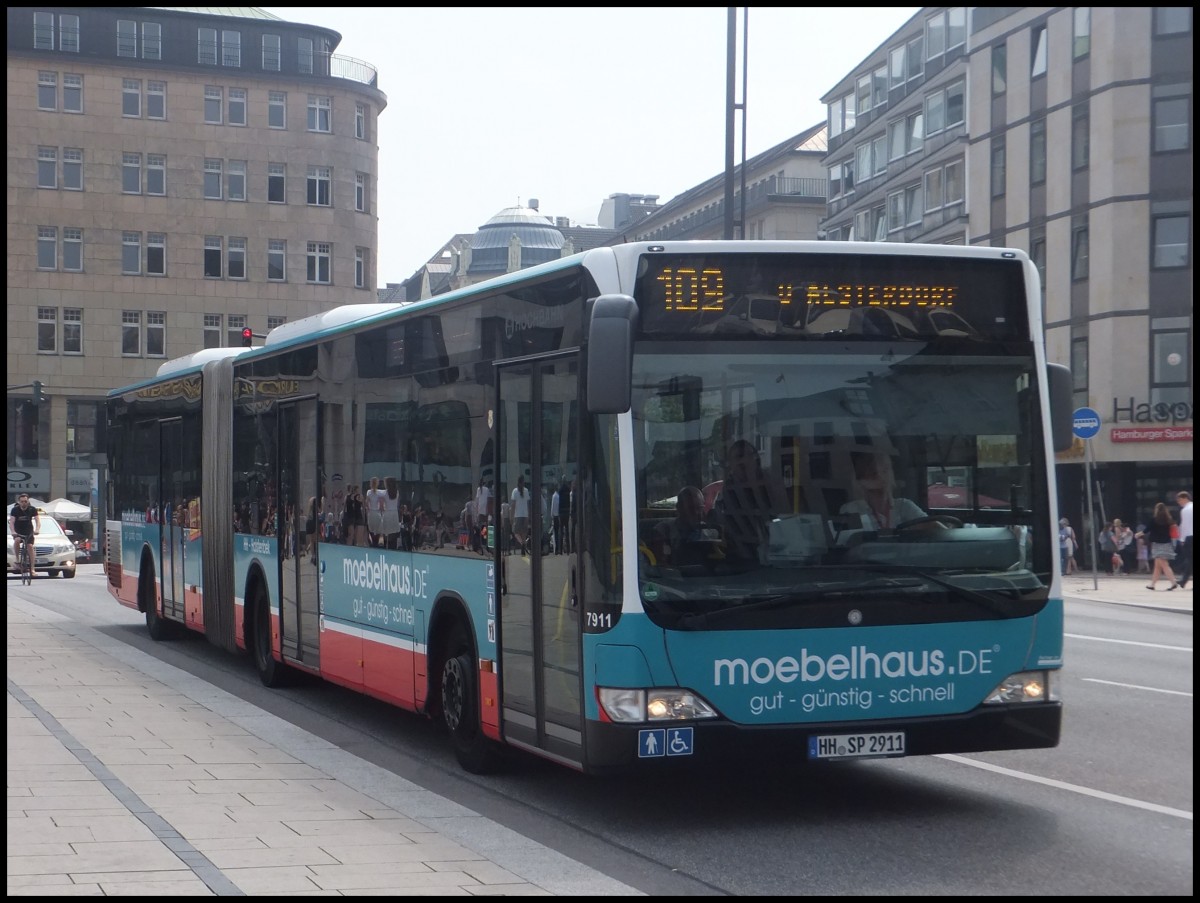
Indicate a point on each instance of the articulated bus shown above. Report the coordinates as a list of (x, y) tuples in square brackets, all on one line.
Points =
[(810, 488)]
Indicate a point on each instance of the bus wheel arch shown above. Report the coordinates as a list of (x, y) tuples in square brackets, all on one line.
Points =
[(454, 696), (257, 632)]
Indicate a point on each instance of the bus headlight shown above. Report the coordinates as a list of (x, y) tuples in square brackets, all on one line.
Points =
[(1024, 686), (627, 706)]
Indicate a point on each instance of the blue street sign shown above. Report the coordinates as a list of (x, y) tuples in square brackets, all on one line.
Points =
[(1085, 423)]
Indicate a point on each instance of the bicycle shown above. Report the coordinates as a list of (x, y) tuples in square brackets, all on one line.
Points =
[(24, 559)]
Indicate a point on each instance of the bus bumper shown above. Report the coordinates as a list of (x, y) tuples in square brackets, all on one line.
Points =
[(622, 747)]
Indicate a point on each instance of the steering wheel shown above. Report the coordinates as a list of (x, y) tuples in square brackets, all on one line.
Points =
[(944, 520)]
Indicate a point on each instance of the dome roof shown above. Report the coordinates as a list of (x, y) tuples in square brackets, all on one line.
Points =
[(540, 241), (532, 228)]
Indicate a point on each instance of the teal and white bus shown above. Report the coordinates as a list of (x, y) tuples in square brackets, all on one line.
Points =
[(730, 578)]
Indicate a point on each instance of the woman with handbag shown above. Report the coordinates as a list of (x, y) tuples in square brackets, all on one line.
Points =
[(1162, 549)]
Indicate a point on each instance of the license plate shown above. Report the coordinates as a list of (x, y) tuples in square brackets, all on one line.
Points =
[(856, 746)]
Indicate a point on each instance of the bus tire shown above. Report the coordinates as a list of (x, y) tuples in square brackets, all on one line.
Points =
[(158, 628), (272, 673), (460, 706)]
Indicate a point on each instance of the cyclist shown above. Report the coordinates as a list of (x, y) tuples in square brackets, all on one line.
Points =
[(23, 522)]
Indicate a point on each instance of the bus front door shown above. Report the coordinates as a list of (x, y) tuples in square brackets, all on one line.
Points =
[(300, 560), (539, 630)]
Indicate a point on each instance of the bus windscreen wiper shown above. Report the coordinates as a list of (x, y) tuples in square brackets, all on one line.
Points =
[(990, 601)]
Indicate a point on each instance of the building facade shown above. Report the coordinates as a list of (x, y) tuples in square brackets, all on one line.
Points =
[(1066, 132), (174, 177)]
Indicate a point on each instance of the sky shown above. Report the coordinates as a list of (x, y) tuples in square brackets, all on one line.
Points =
[(491, 107)]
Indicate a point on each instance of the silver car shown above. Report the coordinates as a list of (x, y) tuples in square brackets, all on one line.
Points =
[(54, 552)]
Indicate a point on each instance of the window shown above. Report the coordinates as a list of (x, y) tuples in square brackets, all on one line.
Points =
[(999, 69), (879, 222), (1171, 240), (841, 179), (213, 254), (126, 37), (231, 48), (1037, 152), (72, 330), (319, 111), (206, 46), (47, 330), (237, 180), (151, 41), (131, 333), (1080, 136), (156, 333), (131, 253), (47, 248), (999, 167), (237, 258), (276, 260), (945, 31), (1170, 360), (862, 226), (277, 109), (905, 135), (862, 95), (47, 168), (270, 52), (304, 55), (954, 183), (1037, 253), (1172, 118), (879, 155), (156, 254), (277, 183), (360, 267), (156, 100), (914, 58), (896, 76), (841, 115), (1079, 250), (43, 32), (47, 90), (72, 93), (862, 160), (1172, 20), (319, 262), (212, 104), (361, 191), (131, 173), (212, 331), (1081, 43), (131, 97), (1038, 52), (879, 86), (895, 205), (320, 185), (72, 250), (933, 189), (237, 322), (72, 168), (212, 179), (360, 121), (68, 34), (156, 174), (237, 106), (274, 322)]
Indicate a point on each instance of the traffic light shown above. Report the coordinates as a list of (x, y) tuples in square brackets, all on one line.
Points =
[(38, 395), (247, 336)]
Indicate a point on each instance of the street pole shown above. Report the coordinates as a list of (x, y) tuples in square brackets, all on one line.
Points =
[(1087, 464)]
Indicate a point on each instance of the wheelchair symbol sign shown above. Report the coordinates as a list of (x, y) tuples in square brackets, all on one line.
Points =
[(679, 741)]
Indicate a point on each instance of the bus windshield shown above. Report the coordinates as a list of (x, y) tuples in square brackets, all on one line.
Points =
[(783, 488)]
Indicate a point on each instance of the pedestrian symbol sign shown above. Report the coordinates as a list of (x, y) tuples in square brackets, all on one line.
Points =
[(656, 742)]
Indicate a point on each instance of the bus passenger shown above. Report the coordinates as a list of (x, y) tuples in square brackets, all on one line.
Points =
[(687, 540), (749, 499)]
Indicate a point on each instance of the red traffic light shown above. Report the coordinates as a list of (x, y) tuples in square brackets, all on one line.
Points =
[(247, 336)]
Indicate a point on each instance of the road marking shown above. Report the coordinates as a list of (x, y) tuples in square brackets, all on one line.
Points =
[(1063, 785), (1101, 639), (1113, 683)]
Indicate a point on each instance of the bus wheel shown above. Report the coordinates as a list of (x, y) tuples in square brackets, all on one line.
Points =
[(270, 671), (460, 707), (159, 628)]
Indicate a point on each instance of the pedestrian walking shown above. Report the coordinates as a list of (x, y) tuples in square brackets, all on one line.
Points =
[(1066, 546), (1162, 549), (1185, 536)]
